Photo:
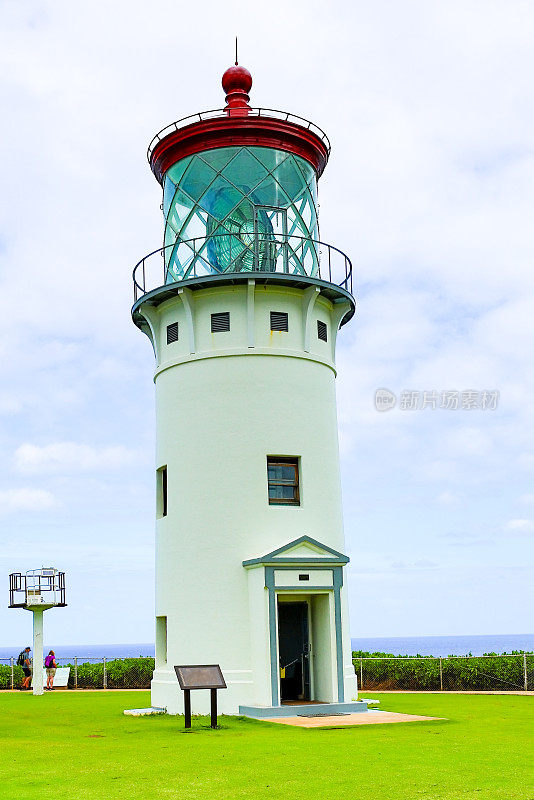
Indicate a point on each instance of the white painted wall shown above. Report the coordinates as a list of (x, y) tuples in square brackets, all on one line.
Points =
[(224, 401)]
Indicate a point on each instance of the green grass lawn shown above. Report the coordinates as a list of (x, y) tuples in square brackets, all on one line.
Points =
[(80, 745)]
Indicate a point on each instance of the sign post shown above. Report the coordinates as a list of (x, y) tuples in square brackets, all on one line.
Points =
[(205, 676)]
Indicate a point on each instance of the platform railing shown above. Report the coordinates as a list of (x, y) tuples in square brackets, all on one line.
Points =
[(52, 586), (229, 253), (271, 113)]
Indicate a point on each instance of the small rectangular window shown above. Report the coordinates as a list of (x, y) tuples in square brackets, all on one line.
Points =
[(172, 333), (322, 331), (220, 322), (279, 321), (161, 640), (161, 492), (305, 577), (283, 481)]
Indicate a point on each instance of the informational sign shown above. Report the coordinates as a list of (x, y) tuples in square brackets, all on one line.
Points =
[(205, 676), (200, 676)]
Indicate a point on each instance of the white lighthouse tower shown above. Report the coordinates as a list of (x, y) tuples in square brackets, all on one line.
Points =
[(243, 305)]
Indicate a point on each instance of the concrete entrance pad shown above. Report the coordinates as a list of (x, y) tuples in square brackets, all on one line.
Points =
[(346, 720), (303, 707)]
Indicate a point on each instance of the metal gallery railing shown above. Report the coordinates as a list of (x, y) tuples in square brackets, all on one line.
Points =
[(230, 253), (269, 113)]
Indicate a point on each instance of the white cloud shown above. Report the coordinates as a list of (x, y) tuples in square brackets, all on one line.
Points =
[(12, 500), (520, 525), (63, 456), (429, 190), (448, 499)]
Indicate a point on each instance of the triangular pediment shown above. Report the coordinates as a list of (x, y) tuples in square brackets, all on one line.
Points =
[(302, 550)]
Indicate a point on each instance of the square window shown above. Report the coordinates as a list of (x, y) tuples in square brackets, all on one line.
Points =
[(279, 321), (172, 333), (322, 331), (220, 322), (283, 481)]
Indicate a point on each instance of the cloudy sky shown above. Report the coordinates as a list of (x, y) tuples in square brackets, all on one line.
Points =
[(430, 190)]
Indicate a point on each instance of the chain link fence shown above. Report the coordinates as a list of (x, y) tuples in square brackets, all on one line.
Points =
[(90, 673), (491, 673), (415, 673)]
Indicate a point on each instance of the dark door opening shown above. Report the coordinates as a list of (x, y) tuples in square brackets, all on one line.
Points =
[(294, 647)]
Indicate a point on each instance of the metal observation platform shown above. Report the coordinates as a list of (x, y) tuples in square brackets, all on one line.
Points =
[(37, 589), (240, 202)]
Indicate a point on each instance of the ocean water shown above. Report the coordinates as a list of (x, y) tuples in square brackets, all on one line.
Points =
[(85, 652), (446, 645), (398, 645)]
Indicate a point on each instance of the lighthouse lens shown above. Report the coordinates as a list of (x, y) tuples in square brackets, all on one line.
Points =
[(240, 209)]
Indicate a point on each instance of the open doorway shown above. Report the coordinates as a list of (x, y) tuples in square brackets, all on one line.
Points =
[(294, 651)]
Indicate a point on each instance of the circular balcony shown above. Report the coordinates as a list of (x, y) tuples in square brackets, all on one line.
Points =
[(221, 113), (269, 258)]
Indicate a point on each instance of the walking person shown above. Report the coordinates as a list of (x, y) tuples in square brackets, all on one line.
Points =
[(24, 661), (50, 666)]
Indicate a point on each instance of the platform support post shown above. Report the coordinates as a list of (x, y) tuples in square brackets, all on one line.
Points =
[(37, 678)]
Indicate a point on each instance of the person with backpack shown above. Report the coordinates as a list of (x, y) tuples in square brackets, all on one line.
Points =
[(50, 666), (24, 661)]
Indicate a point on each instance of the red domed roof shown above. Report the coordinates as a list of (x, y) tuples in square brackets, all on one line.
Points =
[(238, 125)]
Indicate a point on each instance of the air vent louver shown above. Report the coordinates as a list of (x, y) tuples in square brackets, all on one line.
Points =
[(279, 321), (220, 322), (172, 333), (322, 332)]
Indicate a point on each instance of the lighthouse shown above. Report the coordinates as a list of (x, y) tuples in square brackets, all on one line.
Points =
[(242, 305)]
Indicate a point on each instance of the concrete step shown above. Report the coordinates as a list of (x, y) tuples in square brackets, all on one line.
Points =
[(304, 709)]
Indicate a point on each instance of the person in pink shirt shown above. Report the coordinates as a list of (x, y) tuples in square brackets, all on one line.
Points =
[(50, 666)]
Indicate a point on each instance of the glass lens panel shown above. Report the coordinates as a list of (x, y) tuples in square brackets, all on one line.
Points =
[(179, 210), (219, 158), (197, 178), (204, 198), (245, 171), (221, 198), (269, 157), (270, 193), (291, 178), (177, 170), (169, 189)]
